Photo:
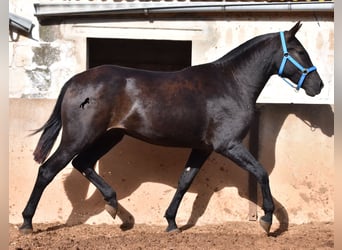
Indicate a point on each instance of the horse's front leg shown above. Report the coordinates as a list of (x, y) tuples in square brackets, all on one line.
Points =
[(193, 165), (243, 158)]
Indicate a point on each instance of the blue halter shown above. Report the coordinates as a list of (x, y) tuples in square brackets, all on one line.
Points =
[(286, 57)]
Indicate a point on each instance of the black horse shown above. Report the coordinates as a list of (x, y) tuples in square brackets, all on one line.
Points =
[(206, 107)]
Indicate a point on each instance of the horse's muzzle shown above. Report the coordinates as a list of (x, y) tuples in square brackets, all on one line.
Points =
[(314, 91)]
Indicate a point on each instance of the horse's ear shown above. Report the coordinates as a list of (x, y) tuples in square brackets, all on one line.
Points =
[(295, 28)]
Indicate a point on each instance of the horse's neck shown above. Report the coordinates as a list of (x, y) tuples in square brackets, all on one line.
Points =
[(251, 64)]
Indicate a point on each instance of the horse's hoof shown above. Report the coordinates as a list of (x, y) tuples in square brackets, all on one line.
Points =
[(173, 231), (126, 226), (25, 230), (265, 225), (111, 210)]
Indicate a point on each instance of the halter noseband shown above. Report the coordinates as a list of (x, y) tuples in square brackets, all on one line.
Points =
[(286, 57)]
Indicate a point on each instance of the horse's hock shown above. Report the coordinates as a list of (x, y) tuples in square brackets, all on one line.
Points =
[(145, 176)]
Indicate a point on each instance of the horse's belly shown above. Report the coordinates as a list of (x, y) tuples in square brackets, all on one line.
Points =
[(175, 137)]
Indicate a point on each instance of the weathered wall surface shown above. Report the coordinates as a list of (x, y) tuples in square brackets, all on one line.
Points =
[(298, 157), (40, 68)]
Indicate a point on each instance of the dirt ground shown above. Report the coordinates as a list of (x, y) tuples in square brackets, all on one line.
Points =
[(234, 235)]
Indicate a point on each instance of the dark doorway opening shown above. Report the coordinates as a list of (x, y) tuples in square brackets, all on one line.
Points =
[(162, 55)]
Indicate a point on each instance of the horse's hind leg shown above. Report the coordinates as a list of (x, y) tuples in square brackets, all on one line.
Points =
[(85, 162), (46, 173), (193, 165), (243, 158)]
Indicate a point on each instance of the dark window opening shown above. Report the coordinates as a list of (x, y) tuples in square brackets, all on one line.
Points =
[(162, 55)]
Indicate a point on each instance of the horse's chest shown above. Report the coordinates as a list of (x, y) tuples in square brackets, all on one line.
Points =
[(228, 120)]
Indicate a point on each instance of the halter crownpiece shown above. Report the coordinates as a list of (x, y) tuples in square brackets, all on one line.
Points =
[(288, 57)]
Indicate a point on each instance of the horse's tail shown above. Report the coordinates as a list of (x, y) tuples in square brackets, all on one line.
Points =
[(50, 130)]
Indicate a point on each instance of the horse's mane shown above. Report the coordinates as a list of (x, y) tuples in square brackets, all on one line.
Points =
[(244, 47)]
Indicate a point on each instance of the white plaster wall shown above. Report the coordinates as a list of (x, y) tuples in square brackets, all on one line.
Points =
[(213, 39), (210, 39)]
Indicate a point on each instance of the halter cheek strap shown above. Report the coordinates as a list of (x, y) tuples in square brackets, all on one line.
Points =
[(288, 57)]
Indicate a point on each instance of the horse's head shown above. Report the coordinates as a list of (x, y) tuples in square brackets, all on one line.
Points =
[(296, 64)]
